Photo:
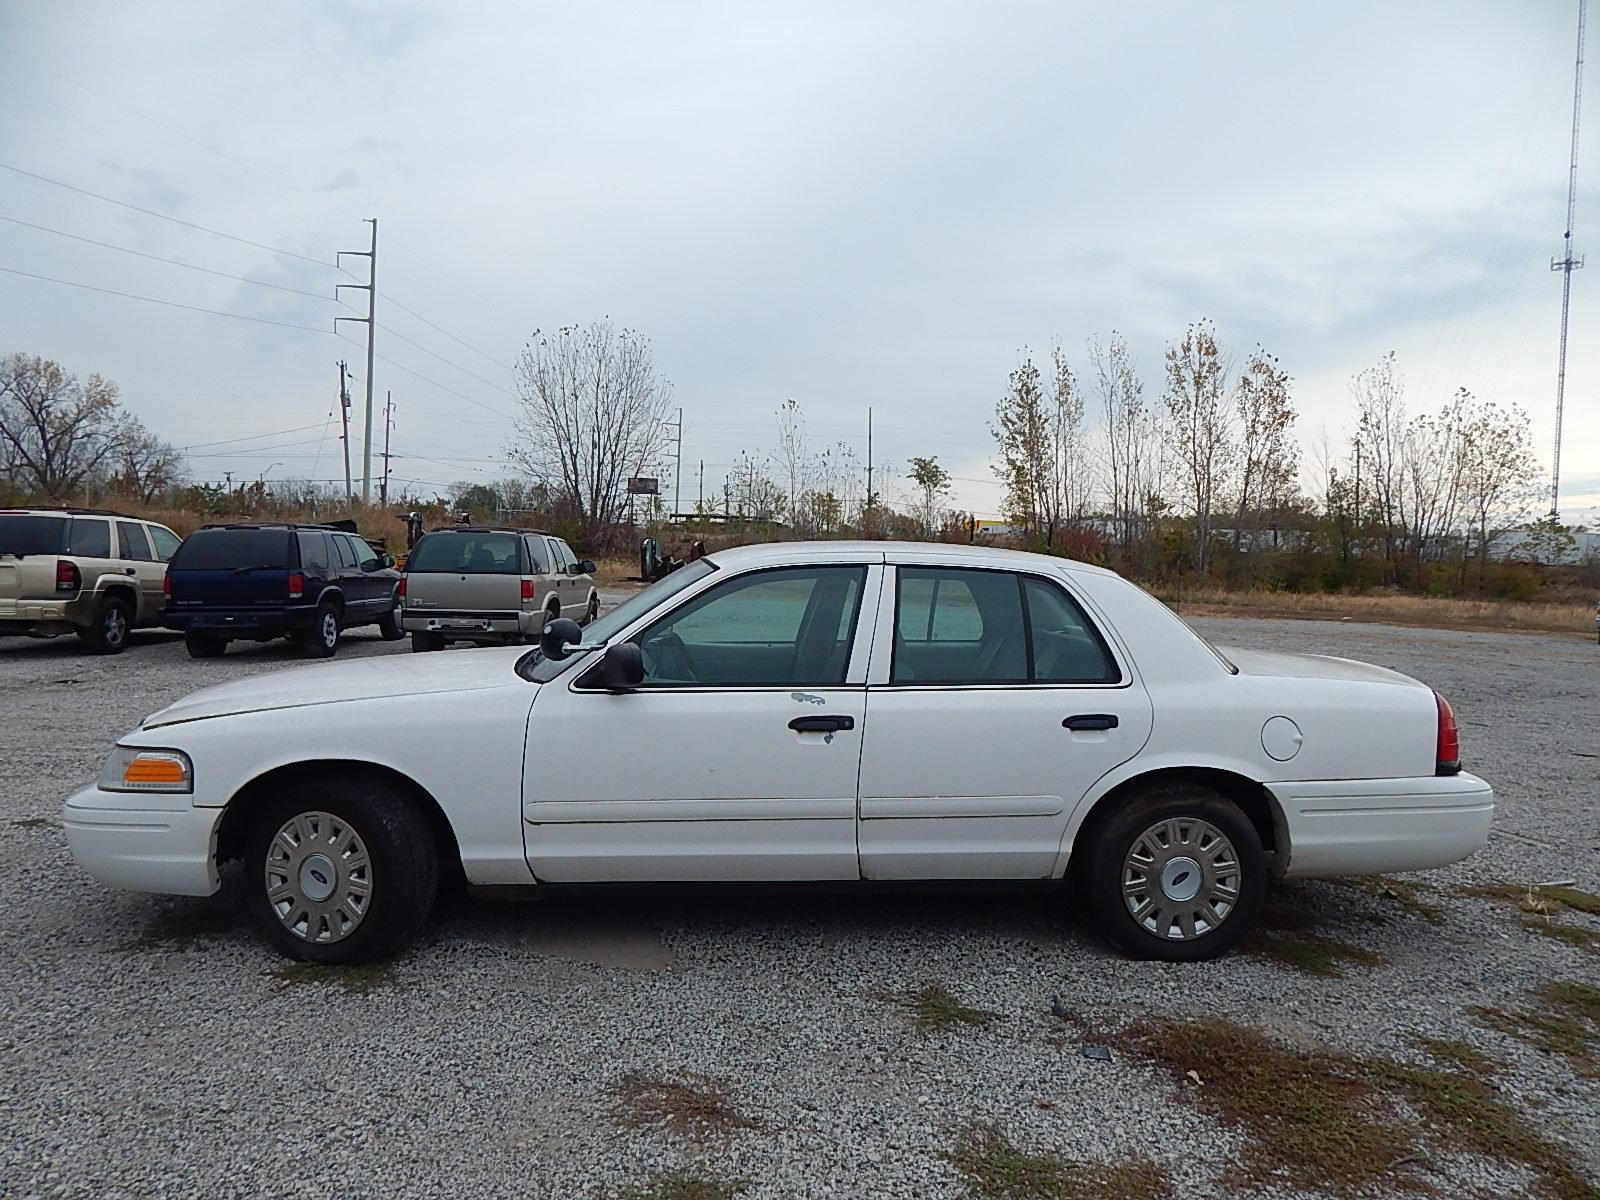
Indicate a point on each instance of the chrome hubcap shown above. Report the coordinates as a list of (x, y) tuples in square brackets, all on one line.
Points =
[(318, 877), (1181, 878), (330, 629), (116, 625)]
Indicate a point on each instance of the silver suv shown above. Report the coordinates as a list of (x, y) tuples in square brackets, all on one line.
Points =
[(87, 571), (487, 584)]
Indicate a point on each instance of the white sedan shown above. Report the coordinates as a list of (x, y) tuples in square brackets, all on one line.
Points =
[(798, 712)]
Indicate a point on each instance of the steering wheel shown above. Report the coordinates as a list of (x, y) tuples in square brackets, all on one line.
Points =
[(666, 657)]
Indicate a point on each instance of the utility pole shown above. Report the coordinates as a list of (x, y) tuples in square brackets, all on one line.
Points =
[(866, 519), (388, 423), (344, 417), (371, 288), (677, 471), (1566, 264), (701, 503)]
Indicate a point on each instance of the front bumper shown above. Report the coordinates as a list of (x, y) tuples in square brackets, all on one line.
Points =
[(1369, 826), (148, 842)]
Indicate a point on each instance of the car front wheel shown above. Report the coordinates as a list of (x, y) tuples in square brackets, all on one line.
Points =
[(341, 870), (1177, 873)]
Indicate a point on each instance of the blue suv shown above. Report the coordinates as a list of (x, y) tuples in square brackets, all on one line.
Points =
[(263, 581)]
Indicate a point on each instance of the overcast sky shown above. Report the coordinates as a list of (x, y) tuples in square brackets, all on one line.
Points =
[(846, 204)]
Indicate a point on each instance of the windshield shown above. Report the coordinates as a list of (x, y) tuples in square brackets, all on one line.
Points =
[(536, 667), (21, 535), (465, 554), (231, 549)]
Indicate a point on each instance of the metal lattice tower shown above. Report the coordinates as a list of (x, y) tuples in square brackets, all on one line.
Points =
[(1567, 264)]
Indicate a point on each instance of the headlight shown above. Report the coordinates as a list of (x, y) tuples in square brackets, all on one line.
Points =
[(130, 769)]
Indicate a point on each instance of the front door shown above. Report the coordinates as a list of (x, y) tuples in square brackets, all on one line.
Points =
[(737, 758), (995, 705), (139, 561)]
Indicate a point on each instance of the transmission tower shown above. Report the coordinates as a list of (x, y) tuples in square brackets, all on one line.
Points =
[(1567, 264)]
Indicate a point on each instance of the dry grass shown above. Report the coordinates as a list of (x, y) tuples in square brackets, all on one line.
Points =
[(685, 1103), (34, 823), (1458, 1055), (683, 1185), (1559, 1017), (933, 1007), (360, 980), (993, 1167), (1287, 936), (1535, 899), (1355, 1125), (1405, 894), (1433, 612)]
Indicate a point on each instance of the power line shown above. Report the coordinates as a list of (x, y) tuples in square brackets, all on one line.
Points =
[(215, 312), (150, 212), (440, 329), (433, 382), (447, 362), (160, 258), (251, 438)]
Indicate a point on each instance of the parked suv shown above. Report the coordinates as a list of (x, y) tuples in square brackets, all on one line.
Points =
[(485, 584), (81, 570), (303, 582)]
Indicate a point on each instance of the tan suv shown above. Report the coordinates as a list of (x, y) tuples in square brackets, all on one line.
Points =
[(488, 584), (87, 571)]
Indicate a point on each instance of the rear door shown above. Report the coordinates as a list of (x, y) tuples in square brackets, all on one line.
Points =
[(138, 559), (464, 578), (231, 568)]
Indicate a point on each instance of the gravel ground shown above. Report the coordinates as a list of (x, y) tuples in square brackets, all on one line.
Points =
[(146, 1049)]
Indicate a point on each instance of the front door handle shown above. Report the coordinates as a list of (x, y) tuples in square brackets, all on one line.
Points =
[(821, 724), (1088, 721)]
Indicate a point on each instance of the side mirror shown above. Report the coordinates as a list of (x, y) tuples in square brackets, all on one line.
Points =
[(622, 667), (557, 635), (586, 567), (388, 562)]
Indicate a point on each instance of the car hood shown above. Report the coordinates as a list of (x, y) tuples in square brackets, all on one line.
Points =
[(339, 683), (1312, 666)]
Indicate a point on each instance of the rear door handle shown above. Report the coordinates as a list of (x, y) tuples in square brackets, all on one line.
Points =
[(1088, 721), (821, 724)]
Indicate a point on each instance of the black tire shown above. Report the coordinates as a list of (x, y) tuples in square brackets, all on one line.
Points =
[(1111, 842), (423, 643), (322, 639), (592, 613), (402, 875), (389, 626), (108, 632), (203, 645)]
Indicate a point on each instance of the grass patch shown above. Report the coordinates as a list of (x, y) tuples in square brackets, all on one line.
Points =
[(1559, 1018), (933, 1007), (1354, 1125), (1406, 894), (993, 1167), (34, 823), (360, 980), (682, 1185), (686, 1103), (1458, 1055), (183, 928), (1287, 936), (1563, 931), (1431, 612), (1533, 899)]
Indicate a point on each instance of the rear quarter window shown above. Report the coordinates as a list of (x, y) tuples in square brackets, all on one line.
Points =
[(228, 549), (466, 554)]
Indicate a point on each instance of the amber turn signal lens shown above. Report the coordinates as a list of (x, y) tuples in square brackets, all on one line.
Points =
[(154, 770)]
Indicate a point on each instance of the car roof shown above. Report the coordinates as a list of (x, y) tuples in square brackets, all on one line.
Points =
[(489, 529), (954, 553), (284, 525), (52, 510)]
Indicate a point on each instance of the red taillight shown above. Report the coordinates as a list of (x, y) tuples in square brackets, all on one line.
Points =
[(400, 589), (527, 589), (297, 586), (67, 577), (166, 584), (1447, 751)]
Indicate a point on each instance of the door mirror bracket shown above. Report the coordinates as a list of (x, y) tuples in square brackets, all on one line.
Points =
[(557, 636)]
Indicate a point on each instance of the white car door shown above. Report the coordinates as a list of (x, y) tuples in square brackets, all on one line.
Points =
[(736, 759), (995, 703)]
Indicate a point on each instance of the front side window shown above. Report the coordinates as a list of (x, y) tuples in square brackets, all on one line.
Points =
[(165, 540), (135, 545), (367, 558), (568, 558), (347, 556), (785, 628), (466, 554), (962, 626)]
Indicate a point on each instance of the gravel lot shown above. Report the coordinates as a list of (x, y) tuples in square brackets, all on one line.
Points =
[(147, 1049)]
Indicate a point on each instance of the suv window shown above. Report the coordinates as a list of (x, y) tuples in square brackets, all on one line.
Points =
[(89, 538), (568, 558), (367, 558), (25, 533), (785, 628), (133, 542), (537, 555), (226, 549), (959, 626), (165, 540), (314, 550), (466, 554), (347, 556)]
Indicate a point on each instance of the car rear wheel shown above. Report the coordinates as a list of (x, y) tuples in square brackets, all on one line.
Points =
[(389, 626), (108, 632), (592, 613), (1177, 873), (322, 639), (421, 643), (341, 870), (203, 645)]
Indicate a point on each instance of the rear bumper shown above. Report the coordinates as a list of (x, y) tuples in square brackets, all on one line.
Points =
[(148, 843), (1368, 826), (240, 622), (467, 624), (41, 617)]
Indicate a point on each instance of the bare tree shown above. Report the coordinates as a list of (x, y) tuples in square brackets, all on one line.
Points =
[(1431, 475), (593, 412), (793, 458), (933, 482), (1199, 428), (1498, 473), (1073, 478), (1129, 435), (146, 463), (1380, 441), (1269, 456), (1022, 435), (56, 431)]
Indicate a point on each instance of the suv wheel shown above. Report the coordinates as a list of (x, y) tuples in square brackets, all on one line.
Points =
[(203, 645), (340, 870), (423, 642), (108, 632), (389, 626), (322, 639), (1177, 873), (592, 614)]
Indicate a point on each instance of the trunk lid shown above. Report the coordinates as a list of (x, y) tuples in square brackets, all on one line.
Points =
[(1312, 666)]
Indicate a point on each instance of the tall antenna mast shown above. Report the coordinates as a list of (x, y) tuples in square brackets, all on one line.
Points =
[(1567, 264)]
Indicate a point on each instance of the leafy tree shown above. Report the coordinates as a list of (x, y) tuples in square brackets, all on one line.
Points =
[(1269, 455), (933, 482), (1199, 428)]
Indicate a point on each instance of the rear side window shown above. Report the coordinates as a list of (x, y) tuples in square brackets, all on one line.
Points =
[(21, 534), (135, 546), (165, 540), (313, 550), (536, 554), (227, 549), (89, 538), (466, 554)]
